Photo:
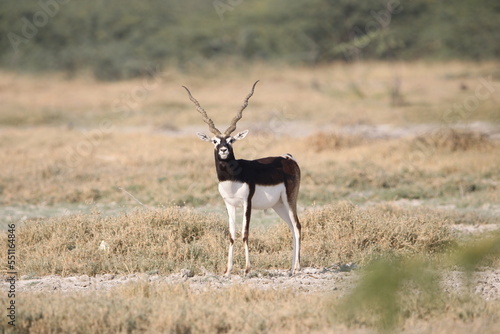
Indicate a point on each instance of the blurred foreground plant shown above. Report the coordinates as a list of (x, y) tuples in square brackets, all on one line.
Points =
[(393, 289)]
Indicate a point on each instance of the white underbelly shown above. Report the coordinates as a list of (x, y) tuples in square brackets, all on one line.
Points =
[(265, 197)]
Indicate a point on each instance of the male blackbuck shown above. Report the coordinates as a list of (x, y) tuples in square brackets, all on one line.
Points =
[(271, 182)]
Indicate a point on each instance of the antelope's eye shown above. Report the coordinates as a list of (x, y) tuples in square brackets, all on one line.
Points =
[(214, 141), (231, 140)]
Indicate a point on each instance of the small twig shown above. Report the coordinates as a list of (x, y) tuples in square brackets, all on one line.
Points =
[(135, 198)]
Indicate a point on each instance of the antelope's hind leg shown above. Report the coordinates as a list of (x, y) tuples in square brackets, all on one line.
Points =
[(247, 213), (284, 211)]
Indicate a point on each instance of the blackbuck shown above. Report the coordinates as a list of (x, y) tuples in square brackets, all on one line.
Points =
[(271, 182)]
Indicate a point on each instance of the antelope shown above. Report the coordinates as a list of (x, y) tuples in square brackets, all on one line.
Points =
[(271, 182)]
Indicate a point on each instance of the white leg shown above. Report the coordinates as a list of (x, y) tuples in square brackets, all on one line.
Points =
[(247, 212), (231, 211), (284, 211)]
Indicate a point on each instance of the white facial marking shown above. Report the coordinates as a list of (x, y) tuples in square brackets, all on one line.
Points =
[(216, 141), (223, 152)]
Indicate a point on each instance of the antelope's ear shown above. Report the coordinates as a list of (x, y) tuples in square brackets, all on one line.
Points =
[(203, 137), (241, 135)]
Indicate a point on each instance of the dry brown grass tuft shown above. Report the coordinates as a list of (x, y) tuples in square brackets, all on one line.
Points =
[(333, 141), (170, 239), (146, 308), (452, 140), (144, 241), (360, 235)]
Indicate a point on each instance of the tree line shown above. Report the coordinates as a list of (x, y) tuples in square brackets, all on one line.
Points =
[(116, 38)]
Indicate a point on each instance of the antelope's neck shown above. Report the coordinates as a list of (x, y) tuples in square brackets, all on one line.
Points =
[(228, 169)]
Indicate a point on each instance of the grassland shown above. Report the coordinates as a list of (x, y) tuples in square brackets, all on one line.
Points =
[(394, 157)]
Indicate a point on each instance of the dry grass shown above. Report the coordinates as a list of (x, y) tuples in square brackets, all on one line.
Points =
[(79, 147), (164, 240), (361, 235), (52, 166), (334, 94), (147, 308), (453, 140), (333, 141), (173, 238), (170, 239)]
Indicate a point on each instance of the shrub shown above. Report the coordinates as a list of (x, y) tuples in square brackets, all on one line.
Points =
[(170, 239)]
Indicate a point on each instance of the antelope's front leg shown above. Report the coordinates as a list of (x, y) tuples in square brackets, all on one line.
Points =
[(247, 210), (231, 211)]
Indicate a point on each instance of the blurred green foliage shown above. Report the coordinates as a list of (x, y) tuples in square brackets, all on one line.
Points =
[(117, 38), (394, 288)]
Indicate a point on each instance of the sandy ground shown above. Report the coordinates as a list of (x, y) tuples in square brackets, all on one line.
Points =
[(335, 279), (308, 280)]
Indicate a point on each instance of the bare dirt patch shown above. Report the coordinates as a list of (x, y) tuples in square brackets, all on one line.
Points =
[(308, 280), (484, 283), (335, 279)]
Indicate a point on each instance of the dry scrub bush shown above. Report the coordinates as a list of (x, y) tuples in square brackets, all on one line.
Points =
[(452, 140), (143, 241), (344, 233), (170, 239), (333, 141)]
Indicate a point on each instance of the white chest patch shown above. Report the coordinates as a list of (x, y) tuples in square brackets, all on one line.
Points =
[(265, 197)]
